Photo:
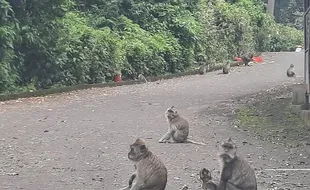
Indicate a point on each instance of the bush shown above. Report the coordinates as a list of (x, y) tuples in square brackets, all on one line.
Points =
[(78, 42), (285, 38), (85, 54)]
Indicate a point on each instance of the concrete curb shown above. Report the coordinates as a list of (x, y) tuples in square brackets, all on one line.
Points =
[(101, 85)]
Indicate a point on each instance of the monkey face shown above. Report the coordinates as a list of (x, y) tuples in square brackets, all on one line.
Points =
[(205, 175), (291, 65), (171, 113), (137, 150), (228, 151)]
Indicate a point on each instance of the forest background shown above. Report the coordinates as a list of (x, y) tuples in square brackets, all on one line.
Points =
[(53, 43)]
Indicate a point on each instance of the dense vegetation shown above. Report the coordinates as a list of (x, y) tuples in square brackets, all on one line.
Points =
[(290, 12), (48, 43)]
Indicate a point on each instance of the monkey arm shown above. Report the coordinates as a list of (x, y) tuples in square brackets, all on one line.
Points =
[(132, 177), (225, 176), (209, 186), (222, 185), (167, 136), (136, 186), (125, 188)]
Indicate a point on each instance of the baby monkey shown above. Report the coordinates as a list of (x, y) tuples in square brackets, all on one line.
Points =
[(151, 173), (247, 59), (290, 71), (236, 173), (178, 128), (205, 176)]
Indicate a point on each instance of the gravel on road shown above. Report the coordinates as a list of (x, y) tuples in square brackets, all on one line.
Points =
[(80, 140)]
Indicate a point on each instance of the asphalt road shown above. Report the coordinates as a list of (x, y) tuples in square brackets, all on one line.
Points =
[(80, 140)]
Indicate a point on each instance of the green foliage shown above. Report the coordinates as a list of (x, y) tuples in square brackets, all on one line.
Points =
[(85, 54), (47, 43), (286, 39), (289, 13), (7, 37), (235, 29)]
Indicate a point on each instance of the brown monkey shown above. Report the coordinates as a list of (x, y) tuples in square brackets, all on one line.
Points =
[(290, 71), (203, 69), (178, 128), (142, 78), (247, 59), (226, 68), (236, 173), (151, 173), (205, 176)]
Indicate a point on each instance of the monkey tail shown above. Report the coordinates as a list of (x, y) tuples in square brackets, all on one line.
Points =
[(194, 142)]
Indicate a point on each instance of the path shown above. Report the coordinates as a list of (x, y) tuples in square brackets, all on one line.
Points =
[(80, 140)]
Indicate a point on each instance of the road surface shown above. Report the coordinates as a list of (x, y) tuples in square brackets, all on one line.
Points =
[(80, 140)]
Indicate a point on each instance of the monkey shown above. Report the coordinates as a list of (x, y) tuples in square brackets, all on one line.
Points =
[(247, 59), (142, 78), (226, 68), (236, 173), (151, 173), (203, 69), (205, 176), (178, 128), (290, 71)]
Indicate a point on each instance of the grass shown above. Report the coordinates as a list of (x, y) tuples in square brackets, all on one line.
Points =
[(274, 121)]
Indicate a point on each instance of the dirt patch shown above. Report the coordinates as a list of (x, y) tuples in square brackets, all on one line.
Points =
[(269, 134), (270, 117)]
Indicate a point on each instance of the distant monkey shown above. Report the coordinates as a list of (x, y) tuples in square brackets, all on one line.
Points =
[(247, 59), (203, 69), (226, 68), (236, 173), (142, 78), (178, 128), (151, 173), (290, 71)]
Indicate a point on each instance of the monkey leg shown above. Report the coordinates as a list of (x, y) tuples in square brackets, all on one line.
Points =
[(125, 188), (166, 137), (132, 177), (179, 136)]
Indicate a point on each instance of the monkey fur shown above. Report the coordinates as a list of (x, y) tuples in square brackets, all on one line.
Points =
[(202, 69), (290, 71), (178, 128), (247, 59), (142, 78), (226, 68), (151, 173), (236, 173)]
